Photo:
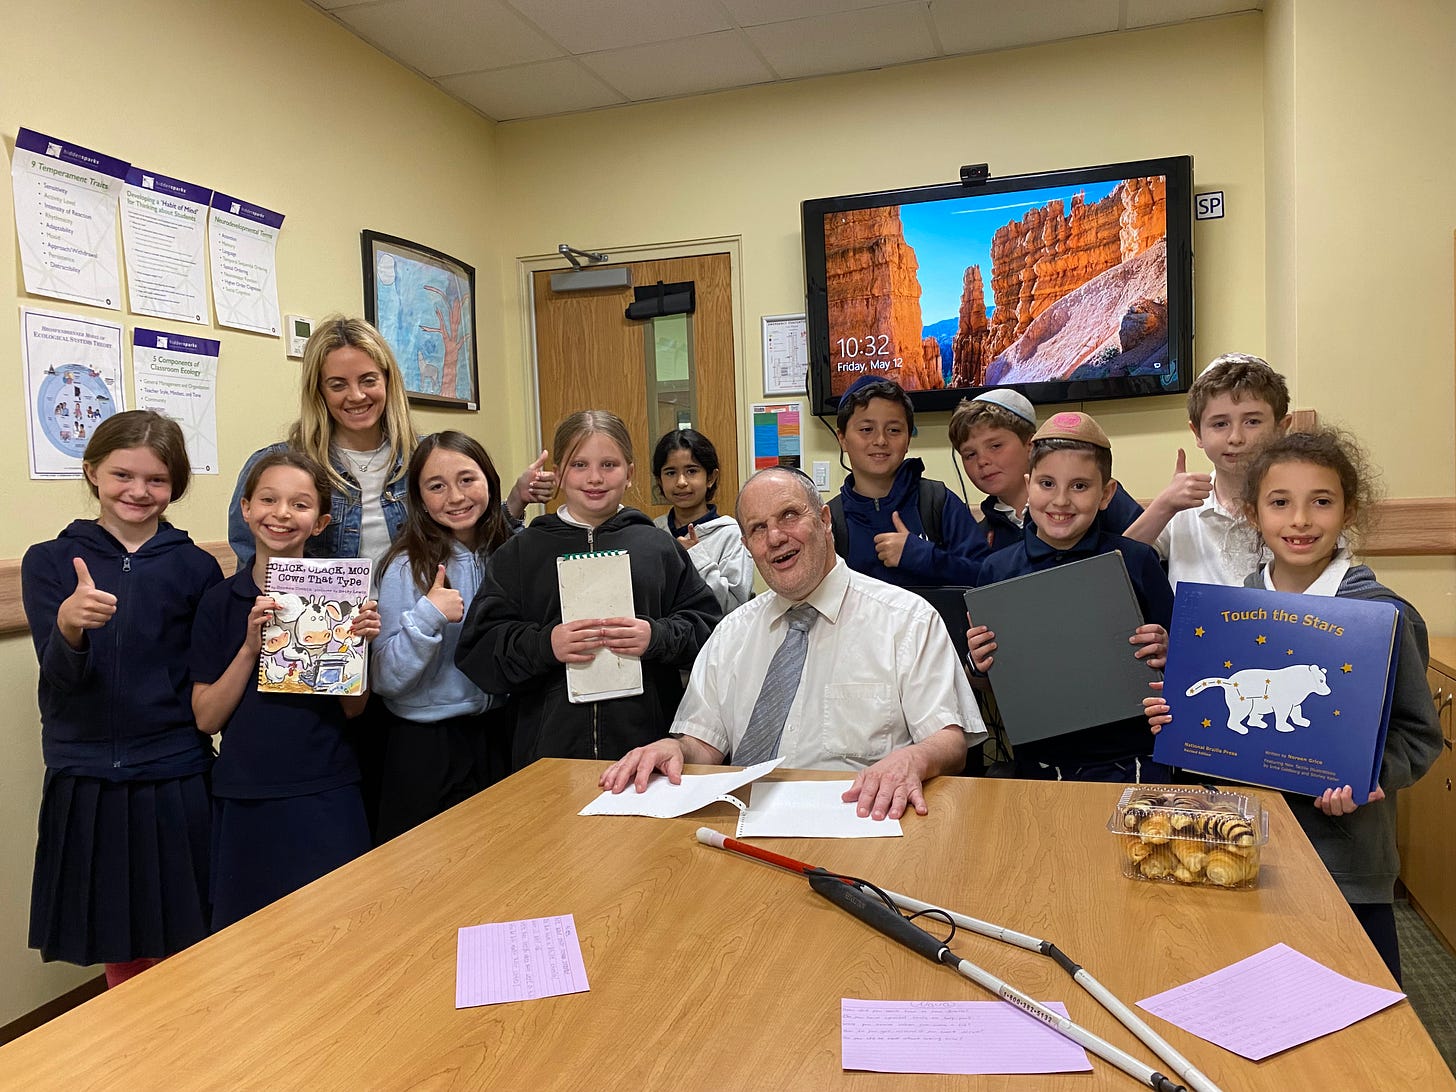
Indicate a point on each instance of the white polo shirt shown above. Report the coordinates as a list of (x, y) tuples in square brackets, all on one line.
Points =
[(1209, 545)]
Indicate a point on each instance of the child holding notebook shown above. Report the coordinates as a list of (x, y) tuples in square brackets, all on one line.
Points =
[(514, 639), (1070, 483)]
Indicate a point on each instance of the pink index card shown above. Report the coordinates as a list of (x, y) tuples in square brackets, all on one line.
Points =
[(953, 1037), (518, 961), (1269, 1002)]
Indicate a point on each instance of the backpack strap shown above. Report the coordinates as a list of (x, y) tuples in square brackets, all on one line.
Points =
[(932, 508), (841, 529)]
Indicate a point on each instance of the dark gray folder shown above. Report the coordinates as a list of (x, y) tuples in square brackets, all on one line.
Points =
[(1062, 659)]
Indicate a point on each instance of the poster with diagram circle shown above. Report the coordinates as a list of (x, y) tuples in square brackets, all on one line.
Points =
[(73, 400), (72, 383)]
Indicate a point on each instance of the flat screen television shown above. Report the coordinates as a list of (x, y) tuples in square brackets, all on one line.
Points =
[(1069, 286)]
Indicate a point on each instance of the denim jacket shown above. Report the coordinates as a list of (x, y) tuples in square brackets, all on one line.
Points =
[(341, 537)]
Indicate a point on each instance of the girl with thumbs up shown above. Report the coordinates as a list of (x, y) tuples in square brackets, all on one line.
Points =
[(446, 740), (121, 863)]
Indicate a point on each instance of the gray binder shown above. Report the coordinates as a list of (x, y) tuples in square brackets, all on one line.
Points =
[(1062, 661)]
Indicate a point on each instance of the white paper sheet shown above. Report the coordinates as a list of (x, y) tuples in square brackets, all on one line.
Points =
[(164, 234), (808, 809), (176, 375), (242, 243), (65, 219), (664, 800), (73, 382)]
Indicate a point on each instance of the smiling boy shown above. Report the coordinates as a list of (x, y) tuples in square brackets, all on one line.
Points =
[(1238, 404), (889, 521), (1069, 484)]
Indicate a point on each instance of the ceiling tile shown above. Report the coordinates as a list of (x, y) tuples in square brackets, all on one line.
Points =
[(532, 90), (588, 26), (1150, 13), (688, 66), (977, 26), (442, 37), (748, 13), (847, 42)]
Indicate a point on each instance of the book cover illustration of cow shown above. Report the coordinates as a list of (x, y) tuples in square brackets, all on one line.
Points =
[(310, 647)]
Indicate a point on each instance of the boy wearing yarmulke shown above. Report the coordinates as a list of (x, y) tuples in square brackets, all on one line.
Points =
[(1070, 483), (992, 434)]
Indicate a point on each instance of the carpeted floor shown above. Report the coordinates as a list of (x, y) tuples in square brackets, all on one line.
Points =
[(1429, 972)]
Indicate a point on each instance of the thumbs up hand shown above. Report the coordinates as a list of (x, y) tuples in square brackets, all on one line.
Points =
[(1185, 490), (536, 485), (448, 601), (890, 545), (542, 482), (88, 607)]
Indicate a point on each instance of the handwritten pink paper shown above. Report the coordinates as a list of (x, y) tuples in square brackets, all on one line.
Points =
[(1269, 1002), (953, 1037), (518, 961)]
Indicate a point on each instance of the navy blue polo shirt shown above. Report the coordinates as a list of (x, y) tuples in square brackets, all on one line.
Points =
[(273, 745)]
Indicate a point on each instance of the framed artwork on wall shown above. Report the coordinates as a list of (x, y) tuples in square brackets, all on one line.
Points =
[(423, 302)]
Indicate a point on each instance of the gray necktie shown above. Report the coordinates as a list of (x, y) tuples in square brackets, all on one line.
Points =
[(766, 724)]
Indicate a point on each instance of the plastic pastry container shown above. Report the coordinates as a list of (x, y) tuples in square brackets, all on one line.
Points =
[(1182, 834)]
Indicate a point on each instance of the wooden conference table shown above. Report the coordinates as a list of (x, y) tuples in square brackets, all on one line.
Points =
[(707, 970)]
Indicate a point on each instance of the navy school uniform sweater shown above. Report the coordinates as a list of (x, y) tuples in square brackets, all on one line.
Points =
[(1120, 739), (120, 707), (273, 745), (955, 561)]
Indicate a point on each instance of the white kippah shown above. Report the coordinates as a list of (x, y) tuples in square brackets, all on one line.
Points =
[(1010, 400)]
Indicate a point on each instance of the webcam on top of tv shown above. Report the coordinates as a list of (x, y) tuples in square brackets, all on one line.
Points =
[(973, 174)]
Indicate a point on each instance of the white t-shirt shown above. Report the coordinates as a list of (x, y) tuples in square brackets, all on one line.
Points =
[(370, 469), (880, 673)]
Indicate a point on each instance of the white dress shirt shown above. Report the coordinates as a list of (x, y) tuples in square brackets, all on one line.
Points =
[(880, 673), (1209, 545)]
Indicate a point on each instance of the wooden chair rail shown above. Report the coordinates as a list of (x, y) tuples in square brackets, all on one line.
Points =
[(1406, 527)]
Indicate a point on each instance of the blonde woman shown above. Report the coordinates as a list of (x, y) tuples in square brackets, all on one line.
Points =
[(354, 420)]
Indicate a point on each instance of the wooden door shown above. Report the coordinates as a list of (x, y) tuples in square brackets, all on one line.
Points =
[(589, 355), (1427, 819)]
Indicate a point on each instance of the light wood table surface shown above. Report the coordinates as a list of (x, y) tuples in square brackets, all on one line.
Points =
[(707, 970)]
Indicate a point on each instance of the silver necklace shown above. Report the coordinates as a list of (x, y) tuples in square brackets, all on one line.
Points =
[(365, 465)]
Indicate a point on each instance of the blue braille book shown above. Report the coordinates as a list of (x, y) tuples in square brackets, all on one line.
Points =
[(1276, 689)]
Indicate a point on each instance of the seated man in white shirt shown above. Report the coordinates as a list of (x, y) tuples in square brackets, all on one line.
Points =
[(881, 690)]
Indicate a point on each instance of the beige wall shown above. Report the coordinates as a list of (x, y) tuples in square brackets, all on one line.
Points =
[(1346, 285), (739, 163), (1307, 266), (280, 107), (1359, 173)]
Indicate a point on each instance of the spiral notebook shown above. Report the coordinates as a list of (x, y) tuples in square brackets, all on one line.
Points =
[(309, 645), (599, 585)]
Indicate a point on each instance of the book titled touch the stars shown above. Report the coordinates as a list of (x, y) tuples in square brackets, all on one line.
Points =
[(1271, 688)]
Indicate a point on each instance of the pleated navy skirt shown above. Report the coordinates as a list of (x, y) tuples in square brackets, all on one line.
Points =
[(121, 868), (265, 849)]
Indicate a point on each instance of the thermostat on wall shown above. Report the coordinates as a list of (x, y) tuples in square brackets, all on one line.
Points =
[(299, 331)]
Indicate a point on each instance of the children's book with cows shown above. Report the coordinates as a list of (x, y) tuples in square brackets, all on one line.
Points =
[(310, 647), (1276, 689)]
